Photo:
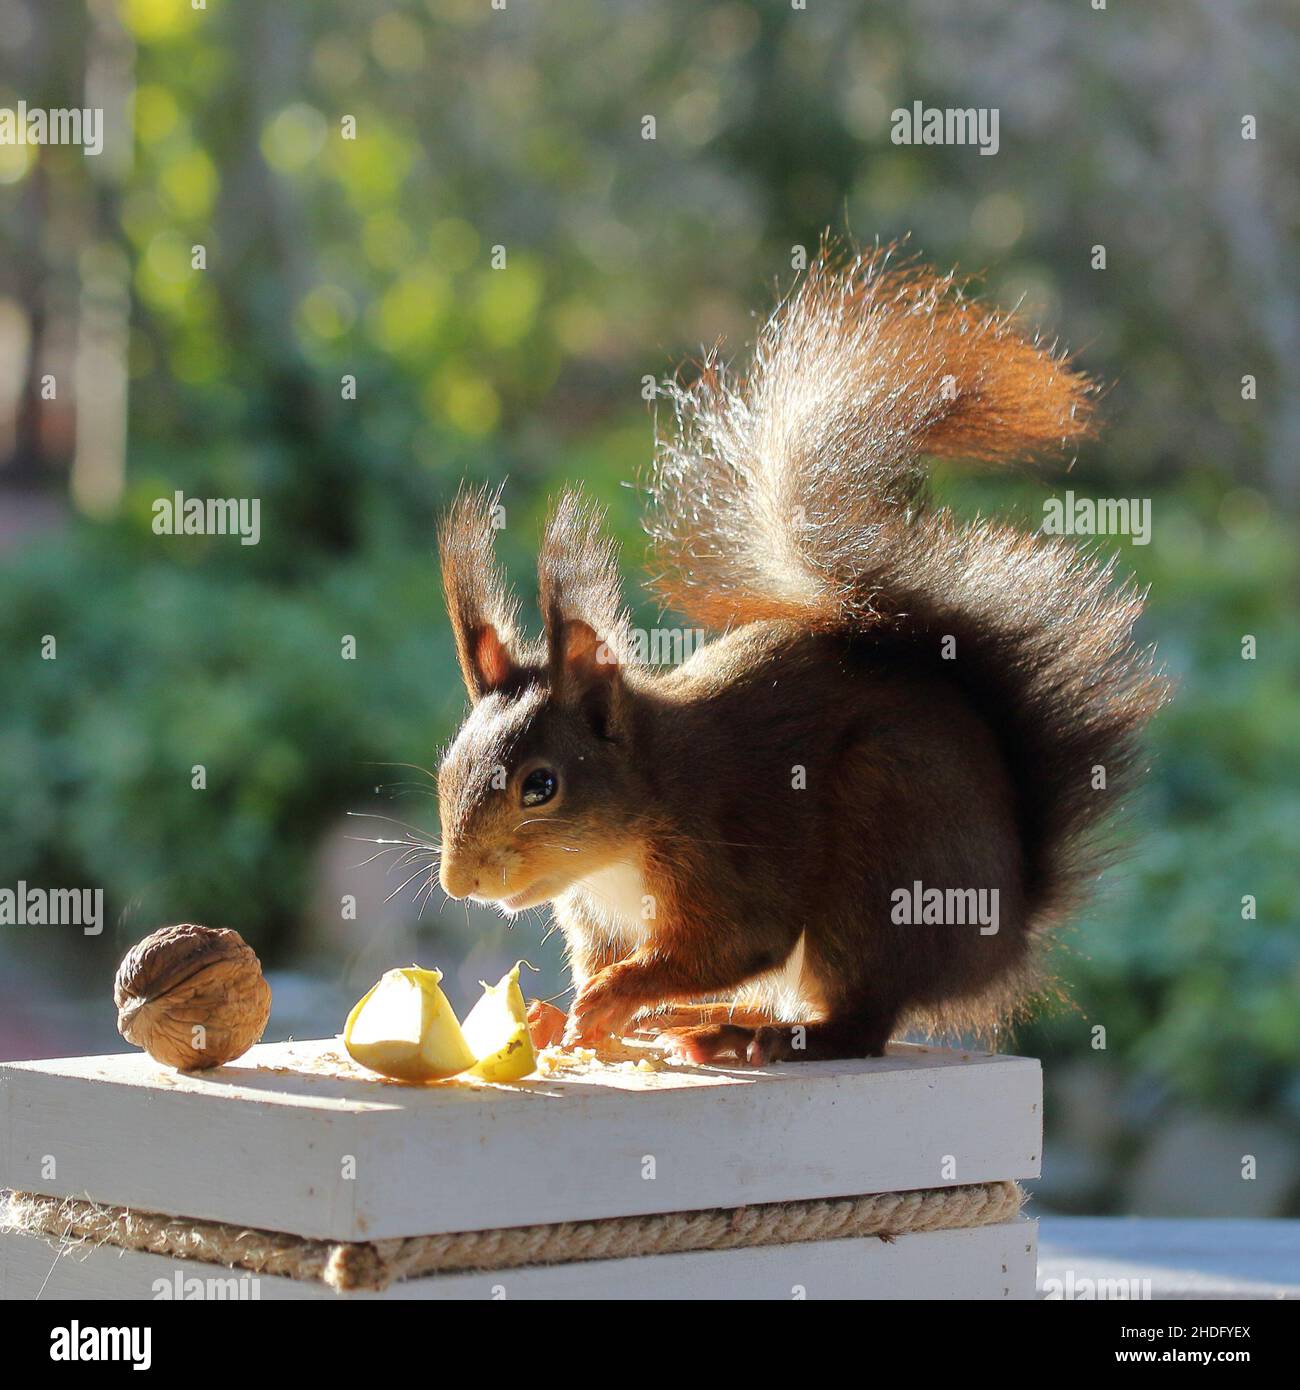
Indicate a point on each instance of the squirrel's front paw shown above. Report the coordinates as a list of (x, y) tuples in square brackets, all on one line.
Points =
[(598, 1011)]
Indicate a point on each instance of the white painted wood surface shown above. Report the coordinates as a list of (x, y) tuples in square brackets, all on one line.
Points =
[(985, 1262), (1085, 1257), (270, 1142)]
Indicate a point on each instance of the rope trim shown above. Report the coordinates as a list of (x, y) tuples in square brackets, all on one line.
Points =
[(374, 1265)]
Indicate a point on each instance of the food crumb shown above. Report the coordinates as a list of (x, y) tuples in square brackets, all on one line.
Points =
[(553, 1059), (614, 1058)]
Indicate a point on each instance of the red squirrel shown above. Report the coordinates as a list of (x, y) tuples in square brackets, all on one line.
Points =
[(775, 850)]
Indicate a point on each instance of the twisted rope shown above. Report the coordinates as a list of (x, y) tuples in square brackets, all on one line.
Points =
[(373, 1265)]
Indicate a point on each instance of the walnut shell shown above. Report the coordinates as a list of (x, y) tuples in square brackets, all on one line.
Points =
[(192, 996)]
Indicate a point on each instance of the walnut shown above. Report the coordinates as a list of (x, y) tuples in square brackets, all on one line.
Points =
[(192, 996)]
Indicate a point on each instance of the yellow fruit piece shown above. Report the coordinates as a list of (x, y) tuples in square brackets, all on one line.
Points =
[(497, 1031), (405, 1028)]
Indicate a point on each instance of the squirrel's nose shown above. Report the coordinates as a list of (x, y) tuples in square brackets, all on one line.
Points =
[(457, 875)]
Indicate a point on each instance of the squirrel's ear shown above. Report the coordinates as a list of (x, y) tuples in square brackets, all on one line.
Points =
[(582, 608), (490, 666), (481, 609), (585, 671)]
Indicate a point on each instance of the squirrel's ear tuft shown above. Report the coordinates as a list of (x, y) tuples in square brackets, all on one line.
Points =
[(482, 611), (581, 600)]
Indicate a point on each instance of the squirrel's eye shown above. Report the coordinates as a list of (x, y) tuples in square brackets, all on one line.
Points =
[(539, 786)]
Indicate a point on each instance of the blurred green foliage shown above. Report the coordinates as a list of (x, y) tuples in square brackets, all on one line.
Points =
[(523, 129), (1190, 956)]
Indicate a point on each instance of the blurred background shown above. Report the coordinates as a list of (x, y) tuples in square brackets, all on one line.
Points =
[(516, 134)]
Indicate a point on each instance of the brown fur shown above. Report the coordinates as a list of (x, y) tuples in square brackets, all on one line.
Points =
[(900, 697)]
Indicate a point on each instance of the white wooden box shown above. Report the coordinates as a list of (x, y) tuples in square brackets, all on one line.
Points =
[(279, 1140), (984, 1262)]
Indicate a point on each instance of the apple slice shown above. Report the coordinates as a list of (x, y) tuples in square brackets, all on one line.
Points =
[(497, 1031), (405, 1028)]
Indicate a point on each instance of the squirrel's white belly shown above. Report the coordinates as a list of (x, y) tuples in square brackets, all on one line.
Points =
[(783, 992), (619, 897)]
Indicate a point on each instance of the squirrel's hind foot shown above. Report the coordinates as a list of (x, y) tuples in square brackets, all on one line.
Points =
[(778, 1042), (817, 1042), (708, 1044)]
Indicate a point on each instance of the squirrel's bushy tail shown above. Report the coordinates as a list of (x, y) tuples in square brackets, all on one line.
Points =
[(798, 492)]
